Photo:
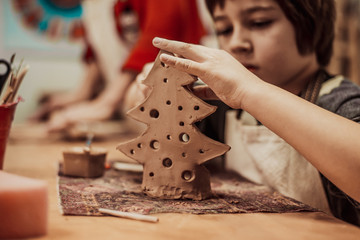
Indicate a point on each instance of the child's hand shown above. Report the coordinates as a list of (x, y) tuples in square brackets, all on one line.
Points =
[(137, 91), (79, 113), (227, 78), (204, 92)]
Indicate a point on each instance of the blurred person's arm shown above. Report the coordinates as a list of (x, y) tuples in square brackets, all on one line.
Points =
[(56, 101), (137, 91), (102, 108)]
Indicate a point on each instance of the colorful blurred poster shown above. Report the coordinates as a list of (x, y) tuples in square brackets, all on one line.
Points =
[(41, 28)]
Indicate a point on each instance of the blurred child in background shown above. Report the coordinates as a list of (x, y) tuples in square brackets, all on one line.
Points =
[(176, 19)]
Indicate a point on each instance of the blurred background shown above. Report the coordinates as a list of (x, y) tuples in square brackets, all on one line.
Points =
[(48, 36), (53, 57)]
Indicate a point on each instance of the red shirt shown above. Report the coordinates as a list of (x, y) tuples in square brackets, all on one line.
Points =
[(171, 19)]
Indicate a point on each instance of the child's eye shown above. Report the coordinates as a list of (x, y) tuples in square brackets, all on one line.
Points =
[(260, 24), (224, 32)]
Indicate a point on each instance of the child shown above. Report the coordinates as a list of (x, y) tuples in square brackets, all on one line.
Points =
[(177, 19), (272, 67)]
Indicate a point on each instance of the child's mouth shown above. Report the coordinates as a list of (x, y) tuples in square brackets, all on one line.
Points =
[(251, 68)]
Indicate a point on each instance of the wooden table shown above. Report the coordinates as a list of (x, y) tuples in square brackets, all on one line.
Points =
[(39, 159)]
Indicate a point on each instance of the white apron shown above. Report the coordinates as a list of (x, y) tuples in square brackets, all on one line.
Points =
[(261, 156)]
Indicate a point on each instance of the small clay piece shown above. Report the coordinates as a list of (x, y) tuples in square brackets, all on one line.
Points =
[(84, 162), (172, 149)]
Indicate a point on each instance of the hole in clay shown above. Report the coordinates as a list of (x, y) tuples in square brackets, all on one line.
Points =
[(181, 123), (168, 137), (167, 162), (187, 175), (196, 108), (165, 80), (180, 108), (139, 145), (154, 113), (201, 151), (132, 151), (168, 102), (142, 109), (184, 137), (183, 154), (154, 144), (164, 65), (151, 174)]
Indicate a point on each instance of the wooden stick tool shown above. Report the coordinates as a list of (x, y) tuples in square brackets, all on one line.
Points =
[(129, 215)]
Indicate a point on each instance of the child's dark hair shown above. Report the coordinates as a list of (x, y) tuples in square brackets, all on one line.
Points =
[(313, 21)]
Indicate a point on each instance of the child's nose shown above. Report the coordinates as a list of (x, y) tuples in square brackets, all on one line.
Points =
[(240, 41)]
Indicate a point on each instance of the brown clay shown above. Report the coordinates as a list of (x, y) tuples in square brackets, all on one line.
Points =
[(84, 162), (172, 149)]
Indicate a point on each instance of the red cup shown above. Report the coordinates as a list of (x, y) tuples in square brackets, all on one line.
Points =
[(7, 112)]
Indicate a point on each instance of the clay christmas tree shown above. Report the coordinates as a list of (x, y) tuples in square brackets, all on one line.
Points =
[(172, 149)]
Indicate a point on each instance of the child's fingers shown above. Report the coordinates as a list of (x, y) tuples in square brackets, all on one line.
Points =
[(204, 92), (186, 50), (182, 64)]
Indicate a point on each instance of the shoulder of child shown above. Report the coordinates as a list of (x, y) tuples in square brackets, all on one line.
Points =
[(342, 99)]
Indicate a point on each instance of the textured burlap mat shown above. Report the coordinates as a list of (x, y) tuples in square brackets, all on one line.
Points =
[(121, 190)]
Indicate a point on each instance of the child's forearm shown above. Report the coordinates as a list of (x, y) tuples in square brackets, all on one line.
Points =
[(87, 85), (330, 142), (115, 91)]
